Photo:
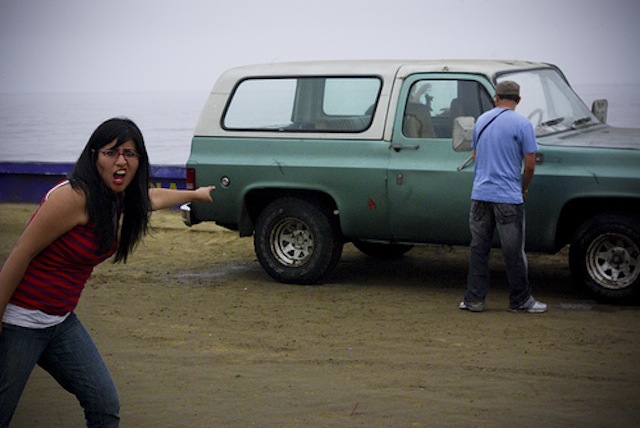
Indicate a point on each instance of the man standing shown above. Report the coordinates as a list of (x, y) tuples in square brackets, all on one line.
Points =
[(502, 140)]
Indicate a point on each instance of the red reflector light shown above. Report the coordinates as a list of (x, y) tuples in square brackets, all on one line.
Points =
[(191, 179)]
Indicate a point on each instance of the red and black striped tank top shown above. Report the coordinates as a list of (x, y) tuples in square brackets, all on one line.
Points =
[(56, 277)]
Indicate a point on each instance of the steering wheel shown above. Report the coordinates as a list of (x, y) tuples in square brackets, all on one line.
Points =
[(535, 112)]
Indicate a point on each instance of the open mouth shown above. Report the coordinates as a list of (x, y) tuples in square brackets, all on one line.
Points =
[(118, 176)]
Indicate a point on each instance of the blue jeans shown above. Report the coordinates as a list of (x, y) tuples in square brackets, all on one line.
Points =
[(484, 218), (68, 353)]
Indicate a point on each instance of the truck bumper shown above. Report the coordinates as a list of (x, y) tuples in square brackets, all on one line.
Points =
[(186, 214)]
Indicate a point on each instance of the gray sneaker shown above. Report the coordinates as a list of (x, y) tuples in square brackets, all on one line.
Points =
[(532, 306), (472, 306)]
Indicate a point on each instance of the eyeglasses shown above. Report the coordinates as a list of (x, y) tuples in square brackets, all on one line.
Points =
[(114, 154)]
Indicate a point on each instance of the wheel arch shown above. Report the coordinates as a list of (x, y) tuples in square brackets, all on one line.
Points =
[(257, 199), (577, 211)]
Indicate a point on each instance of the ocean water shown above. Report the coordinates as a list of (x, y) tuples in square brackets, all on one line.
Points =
[(54, 127)]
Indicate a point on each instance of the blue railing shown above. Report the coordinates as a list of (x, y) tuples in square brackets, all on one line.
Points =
[(29, 181)]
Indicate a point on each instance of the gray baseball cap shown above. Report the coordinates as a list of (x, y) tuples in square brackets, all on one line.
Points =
[(508, 88)]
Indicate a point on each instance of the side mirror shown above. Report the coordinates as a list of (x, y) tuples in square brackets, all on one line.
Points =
[(599, 109), (462, 133)]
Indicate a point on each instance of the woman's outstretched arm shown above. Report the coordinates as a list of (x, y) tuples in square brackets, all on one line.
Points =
[(167, 198)]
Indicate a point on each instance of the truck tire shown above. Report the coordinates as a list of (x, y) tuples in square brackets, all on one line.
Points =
[(297, 241), (605, 257)]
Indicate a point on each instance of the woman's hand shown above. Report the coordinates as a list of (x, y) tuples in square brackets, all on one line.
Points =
[(203, 194)]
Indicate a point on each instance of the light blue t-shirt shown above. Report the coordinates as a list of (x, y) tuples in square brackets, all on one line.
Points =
[(499, 156)]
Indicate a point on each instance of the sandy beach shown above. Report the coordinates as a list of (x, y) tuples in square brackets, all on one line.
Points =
[(197, 335)]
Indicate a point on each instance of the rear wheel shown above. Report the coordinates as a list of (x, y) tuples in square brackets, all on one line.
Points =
[(605, 257), (297, 241)]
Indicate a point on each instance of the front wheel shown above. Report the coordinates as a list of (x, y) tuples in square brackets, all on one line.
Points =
[(297, 241), (605, 257)]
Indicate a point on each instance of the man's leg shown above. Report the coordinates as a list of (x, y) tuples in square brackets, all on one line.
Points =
[(481, 224), (511, 227)]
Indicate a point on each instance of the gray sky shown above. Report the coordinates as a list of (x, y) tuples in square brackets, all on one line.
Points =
[(98, 45)]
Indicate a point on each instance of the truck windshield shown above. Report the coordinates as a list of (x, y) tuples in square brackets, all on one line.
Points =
[(549, 103)]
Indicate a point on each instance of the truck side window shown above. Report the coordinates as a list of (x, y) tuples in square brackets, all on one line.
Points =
[(303, 104), (432, 105), (261, 104), (417, 121)]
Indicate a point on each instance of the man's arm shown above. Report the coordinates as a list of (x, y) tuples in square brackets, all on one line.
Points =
[(527, 174)]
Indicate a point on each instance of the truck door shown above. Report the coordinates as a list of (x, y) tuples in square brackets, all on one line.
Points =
[(428, 198)]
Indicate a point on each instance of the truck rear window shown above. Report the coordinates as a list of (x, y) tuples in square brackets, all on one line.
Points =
[(299, 104)]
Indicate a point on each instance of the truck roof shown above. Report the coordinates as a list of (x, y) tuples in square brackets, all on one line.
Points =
[(387, 68)]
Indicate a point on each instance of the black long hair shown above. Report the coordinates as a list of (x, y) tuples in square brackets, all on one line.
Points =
[(105, 207)]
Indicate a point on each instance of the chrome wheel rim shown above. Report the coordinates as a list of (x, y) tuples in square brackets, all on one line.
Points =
[(292, 242), (613, 261)]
